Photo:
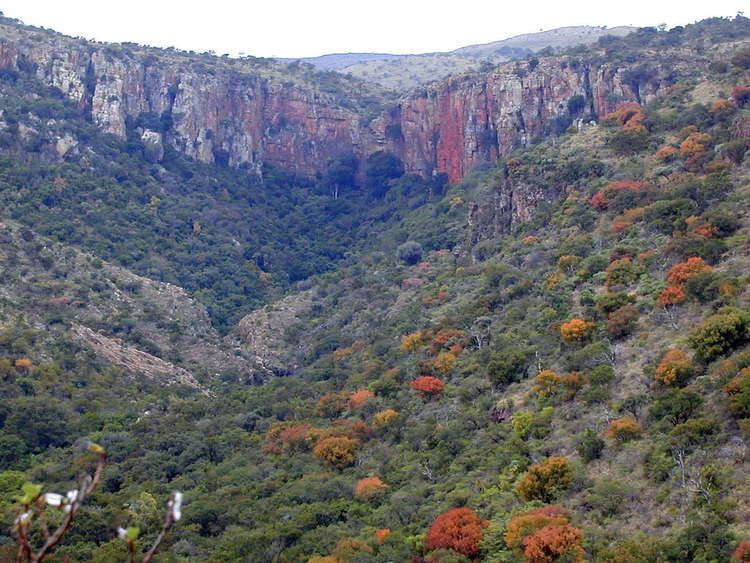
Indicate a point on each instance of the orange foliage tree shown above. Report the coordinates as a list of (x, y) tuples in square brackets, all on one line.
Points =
[(680, 273), (629, 115), (552, 543), (738, 390), (671, 296), (742, 553), (370, 488), (290, 437), (666, 153), (576, 330), (677, 277), (674, 368), (382, 534), (599, 201), (339, 451), (331, 405), (543, 481), (358, 399), (23, 363), (527, 523), (428, 387), (624, 429), (459, 529), (695, 143)]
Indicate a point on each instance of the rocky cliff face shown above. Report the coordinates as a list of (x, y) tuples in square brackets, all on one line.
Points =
[(468, 120), (214, 112)]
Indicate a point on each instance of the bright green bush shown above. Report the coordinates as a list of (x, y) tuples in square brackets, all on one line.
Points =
[(720, 333)]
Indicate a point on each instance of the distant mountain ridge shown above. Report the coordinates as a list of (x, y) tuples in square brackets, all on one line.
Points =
[(403, 71)]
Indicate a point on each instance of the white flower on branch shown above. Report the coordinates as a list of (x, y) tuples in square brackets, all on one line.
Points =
[(53, 499)]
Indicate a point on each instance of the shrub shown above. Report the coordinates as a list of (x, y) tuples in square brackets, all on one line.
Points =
[(612, 301), (508, 366), (676, 405), (412, 342), (741, 57), (359, 398), (553, 543), (385, 418), (382, 534), (742, 553), (628, 142), (666, 153), (693, 433), (589, 445), (735, 150), (409, 252), (23, 363), (738, 390), (674, 368), (599, 201), (629, 115), (459, 529), (624, 429), (370, 488), (679, 274), (289, 437), (331, 405), (694, 144), (544, 481), (547, 383), (351, 549), (428, 387), (444, 362), (523, 525), (576, 330), (741, 95), (671, 296), (339, 451), (623, 321), (621, 272), (720, 333)]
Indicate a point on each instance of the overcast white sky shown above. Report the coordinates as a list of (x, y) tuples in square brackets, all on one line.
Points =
[(287, 28)]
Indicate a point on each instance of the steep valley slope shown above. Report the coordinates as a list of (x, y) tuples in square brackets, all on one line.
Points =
[(515, 327)]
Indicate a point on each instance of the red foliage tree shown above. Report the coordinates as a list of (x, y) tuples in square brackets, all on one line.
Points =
[(459, 529), (428, 387)]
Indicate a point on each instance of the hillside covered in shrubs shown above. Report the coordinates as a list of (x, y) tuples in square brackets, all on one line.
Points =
[(462, 373)]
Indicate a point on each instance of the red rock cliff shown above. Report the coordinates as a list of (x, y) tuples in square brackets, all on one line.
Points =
[(218, 110)]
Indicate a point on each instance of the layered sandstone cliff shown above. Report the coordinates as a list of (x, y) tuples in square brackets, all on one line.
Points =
[(214, 110)]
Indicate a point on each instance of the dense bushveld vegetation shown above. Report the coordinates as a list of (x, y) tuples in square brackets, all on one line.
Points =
[(576, 387)]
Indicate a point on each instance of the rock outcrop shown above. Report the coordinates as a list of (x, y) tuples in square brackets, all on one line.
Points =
[(217, 110)]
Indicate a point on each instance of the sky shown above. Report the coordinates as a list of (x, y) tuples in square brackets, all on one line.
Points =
[(283, 28)]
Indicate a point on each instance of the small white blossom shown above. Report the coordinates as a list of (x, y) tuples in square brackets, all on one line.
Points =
[(66, 508), (72, 495), (122, 533), (23, 518), (177, 506), (53, 499)]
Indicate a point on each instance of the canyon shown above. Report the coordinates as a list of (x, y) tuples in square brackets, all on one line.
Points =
[(217, 110)]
